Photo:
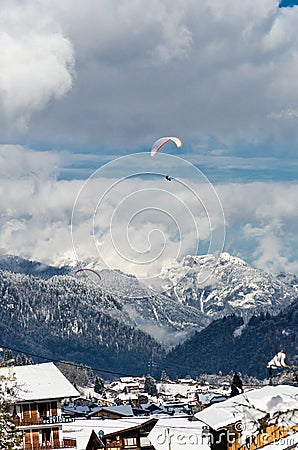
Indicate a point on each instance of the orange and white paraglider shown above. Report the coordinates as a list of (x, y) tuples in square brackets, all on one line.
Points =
[(160, 143), (163, 141)]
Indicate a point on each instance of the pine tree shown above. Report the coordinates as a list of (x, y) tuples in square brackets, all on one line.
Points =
[(10, 436), (7, 357), (150, 386), (99, 385), (236, 387)]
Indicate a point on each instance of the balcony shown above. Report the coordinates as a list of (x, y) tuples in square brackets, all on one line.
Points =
[(52, 420), (67, 443)]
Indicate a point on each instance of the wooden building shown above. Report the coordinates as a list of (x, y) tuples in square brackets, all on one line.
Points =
[(254, 419), (133, 438), (112, 412), (37, 410)]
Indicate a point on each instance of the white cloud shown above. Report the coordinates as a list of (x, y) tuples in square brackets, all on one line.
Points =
[(262, 220), (272, 252), (17, 162), (151, 221), (36, 61)]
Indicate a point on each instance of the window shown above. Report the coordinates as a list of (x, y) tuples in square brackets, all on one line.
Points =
[(144, 441), (130, 442), (46, 437), (43, 409)]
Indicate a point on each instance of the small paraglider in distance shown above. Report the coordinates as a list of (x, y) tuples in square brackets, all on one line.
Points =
[(160, 143), (83, 269), (163, 141)]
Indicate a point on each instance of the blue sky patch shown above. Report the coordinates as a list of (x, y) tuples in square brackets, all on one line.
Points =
[(288, 3)]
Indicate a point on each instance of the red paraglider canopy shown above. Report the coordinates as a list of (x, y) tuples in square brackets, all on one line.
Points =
[(163, 141), (83, 269)]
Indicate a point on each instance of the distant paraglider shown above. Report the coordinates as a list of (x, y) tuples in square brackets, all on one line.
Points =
[(163, 141), (83, 269), (160, 143)]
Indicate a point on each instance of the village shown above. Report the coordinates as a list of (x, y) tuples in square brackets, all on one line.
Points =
[(207, 413)]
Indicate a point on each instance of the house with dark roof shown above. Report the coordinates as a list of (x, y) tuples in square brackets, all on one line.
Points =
[(132, 438)]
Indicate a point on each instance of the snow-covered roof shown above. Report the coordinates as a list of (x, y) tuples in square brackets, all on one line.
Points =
[(247, 408), (81, 429), (174, 388), (126, 397), (82, 437), (40, 382), (123, 410), (186, 381), (178, 433)]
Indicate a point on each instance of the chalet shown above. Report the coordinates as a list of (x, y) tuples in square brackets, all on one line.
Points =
[(165, 396), (37, 409), (94, 442), (85, 438), (133, 438), (127, 385), (91, 395), (253, 420), (112, 412), (178, 433), (153, 408), (142, 399), (127, 399), (116, 434)]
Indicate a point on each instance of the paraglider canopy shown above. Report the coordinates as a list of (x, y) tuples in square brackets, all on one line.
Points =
[(163, 141), (90, 270)]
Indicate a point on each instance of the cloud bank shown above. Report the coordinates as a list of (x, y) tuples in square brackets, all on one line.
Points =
[(101, 77), (142, 216), (226, 69)]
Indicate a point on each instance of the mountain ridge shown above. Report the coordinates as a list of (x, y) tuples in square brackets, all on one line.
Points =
[(78, 320), (193, 292)]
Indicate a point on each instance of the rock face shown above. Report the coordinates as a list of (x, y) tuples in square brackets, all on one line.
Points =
[(197, 290), (227, 285)]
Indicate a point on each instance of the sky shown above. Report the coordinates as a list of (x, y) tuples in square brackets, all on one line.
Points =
[(85, 90)]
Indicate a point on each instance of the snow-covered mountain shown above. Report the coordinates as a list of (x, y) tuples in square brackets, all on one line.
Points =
[(66, 318), (227, 285), (192, 293), (16, 264)]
